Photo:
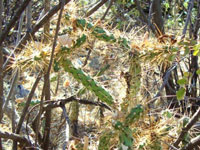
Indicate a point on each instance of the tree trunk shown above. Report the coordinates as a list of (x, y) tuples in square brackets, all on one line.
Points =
[(1, 61), (157, 17), (28, 17)]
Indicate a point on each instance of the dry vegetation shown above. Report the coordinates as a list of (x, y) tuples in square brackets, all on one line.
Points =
[(143, 120)]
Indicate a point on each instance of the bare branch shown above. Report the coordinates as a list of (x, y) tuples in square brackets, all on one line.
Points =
[(95, 8), (27, 103), (188, 126), (58, 103), (11, 24), (40, 24), (11, 92), (109, 6), (15, 137), (190, 6)]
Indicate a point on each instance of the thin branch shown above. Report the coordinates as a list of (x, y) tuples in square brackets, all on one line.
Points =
[(50, 104), (36, 120), (47, 82), (188, 126), (40, 24), (27, 103), (145, 19), (15, 137), (190, 6), (170, 145), (57, 84), (67, 125), (110, 4), (11, 92), (197, 21), (95, 8), (31, 33), (150, 15), (57, 103), (11, 24), (28, 17), (87, 58), (21, 20)]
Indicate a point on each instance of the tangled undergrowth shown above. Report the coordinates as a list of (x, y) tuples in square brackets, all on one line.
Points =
[(97, 63)]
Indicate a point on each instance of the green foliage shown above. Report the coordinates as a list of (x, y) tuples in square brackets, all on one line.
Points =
[(104, 141), (125, 135), (101, 33), (156, 145), (198, 71), (196, 50), (180, 93), (125, 132), (134, 114), (168, 114), (56, 66), (80, 41), (33, 103), (124, 42), (65, 49), (182, 82)]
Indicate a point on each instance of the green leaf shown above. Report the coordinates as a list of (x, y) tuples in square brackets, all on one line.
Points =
[(168, 114), (80, 41), (123, 42), (128, 141), (198, 71), (185, 121), (172, 57), (195, 53), (32, 103), (182, 81), (185, 4), (104, 141), (193, 42), (89, 26), (166, 5), (186, 74), (187, 50), (180, 93), (196, 50), (175, 49)]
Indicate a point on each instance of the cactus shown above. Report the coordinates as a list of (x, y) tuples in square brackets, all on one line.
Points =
[(87, 81)]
